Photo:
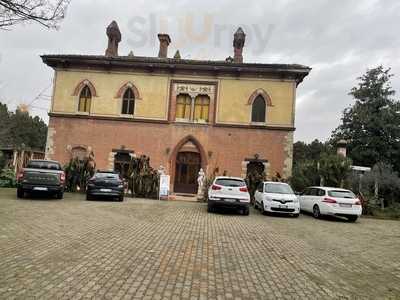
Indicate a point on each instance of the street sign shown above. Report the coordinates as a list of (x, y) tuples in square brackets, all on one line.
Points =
[(164, 187)]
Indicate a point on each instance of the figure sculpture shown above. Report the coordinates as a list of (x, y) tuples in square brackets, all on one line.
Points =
[(114, 37)]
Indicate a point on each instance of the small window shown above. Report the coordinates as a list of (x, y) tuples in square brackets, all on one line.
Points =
[(342, 194), (128, 102), (260, 187), (85, 99), (321, 192), (183, 107), (230, 182), (258, 110), (42, 164), (201, 108), (313, 192)]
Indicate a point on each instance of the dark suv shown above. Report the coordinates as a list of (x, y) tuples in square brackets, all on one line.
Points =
[(105, 184), (41, 176)]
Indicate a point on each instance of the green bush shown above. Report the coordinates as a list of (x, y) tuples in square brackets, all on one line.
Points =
[(7, 178)]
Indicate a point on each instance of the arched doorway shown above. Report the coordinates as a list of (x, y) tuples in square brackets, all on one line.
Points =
[(121, 163), (187, 167)]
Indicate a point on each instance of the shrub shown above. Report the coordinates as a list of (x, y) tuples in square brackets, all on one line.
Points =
[(7, 178)]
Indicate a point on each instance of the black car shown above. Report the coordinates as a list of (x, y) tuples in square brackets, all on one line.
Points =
[(105, 184)]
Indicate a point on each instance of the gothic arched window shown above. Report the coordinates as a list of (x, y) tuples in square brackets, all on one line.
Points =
[(128, 102), (85, 99), (258, 110)]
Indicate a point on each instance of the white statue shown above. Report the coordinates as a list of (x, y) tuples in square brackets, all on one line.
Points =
[(161, 170), (200, 181)]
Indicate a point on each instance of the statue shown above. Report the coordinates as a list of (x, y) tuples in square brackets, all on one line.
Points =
[(238, 44), (200, 181), (114, 37), (161, 170)]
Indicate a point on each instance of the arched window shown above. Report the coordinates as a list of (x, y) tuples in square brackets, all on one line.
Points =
[(128, 102), (258, 110), (85, 99), (201, 108), (183, 107)]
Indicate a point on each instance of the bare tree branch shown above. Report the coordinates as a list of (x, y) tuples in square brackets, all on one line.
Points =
[(47, 13)]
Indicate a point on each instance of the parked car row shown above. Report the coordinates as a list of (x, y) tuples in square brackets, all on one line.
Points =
[(47, 176), (225, 192), (278, 197)]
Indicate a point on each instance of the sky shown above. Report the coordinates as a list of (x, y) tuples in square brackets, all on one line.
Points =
[(339, 40)]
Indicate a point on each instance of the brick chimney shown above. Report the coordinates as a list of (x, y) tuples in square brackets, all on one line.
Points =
[(238, 43), (165, 40)]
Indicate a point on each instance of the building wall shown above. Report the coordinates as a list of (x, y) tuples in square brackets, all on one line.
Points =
[(233, 106), (232, 99), (153, 90), (225, 148)]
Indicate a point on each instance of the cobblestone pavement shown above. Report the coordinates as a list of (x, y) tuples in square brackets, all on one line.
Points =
[(146, 249)]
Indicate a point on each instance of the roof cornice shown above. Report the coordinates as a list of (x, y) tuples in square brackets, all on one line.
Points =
[(171, 65)]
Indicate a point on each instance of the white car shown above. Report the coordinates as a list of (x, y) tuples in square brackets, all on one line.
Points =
[(229, 192), (277, 197), (331, 201)]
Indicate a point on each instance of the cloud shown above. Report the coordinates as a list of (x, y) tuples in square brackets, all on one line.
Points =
[(338, 39)]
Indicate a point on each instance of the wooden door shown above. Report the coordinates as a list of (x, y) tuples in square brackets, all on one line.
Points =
[(187, 166)]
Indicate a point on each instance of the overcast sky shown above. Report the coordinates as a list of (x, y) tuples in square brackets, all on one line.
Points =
[(338, 39)]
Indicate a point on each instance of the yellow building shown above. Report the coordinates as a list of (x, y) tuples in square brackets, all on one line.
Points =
[(221, 116)]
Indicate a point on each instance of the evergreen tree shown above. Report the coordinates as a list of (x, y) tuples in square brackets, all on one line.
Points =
[(372, 124), (20, 129)]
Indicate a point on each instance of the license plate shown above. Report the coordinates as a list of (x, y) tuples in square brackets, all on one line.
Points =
[(230, 200), (283, 206), (105, 190), (345, 205), (39, 188)]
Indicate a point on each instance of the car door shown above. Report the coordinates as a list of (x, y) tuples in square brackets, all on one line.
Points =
[(304, 199), (315, 198), (258, 195)]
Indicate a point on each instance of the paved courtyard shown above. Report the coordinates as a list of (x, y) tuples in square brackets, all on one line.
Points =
[(146, 249)]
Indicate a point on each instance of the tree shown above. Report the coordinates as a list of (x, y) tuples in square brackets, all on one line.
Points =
[(372, 124), (303, 151), (20, 129), (334, 169), (45, 12)]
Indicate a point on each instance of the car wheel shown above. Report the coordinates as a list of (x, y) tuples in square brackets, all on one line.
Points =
[(20, 193), (210, 209), (262, 210), (60, 195), (316, 212), (296, 215), (121, 198), (246, 211), (89, 197), (352, 219)]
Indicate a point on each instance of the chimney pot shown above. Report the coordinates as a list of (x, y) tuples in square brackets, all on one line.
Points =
[(165, 40)]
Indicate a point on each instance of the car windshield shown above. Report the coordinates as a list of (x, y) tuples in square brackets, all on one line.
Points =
[(342, 194), (278, 188), (230, 182), (106, 175), (46, 165)]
